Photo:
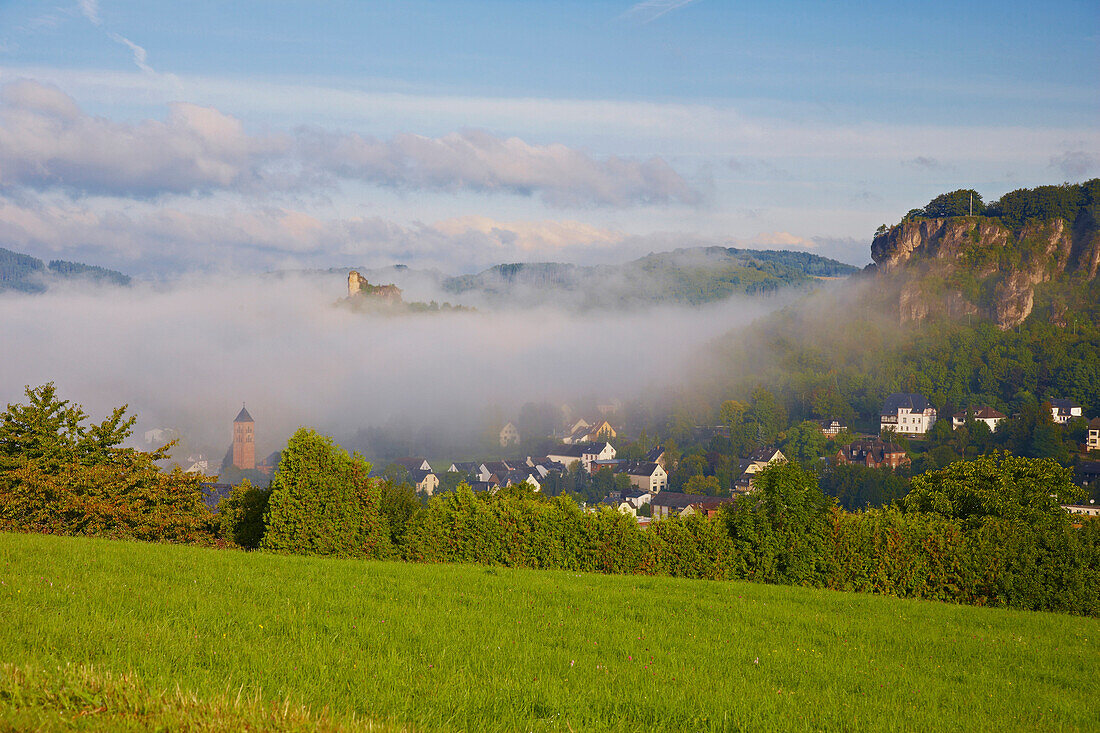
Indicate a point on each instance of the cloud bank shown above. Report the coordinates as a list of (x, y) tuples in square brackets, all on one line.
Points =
[(47, 142)]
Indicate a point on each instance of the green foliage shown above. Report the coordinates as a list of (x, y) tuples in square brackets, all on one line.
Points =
[(90, 272), (779, 531), (705, 485), (323, 503), (61, 476), (859, 487), (50, 431), (1026, 491), (240, 515), (962, 202), (805, 442)]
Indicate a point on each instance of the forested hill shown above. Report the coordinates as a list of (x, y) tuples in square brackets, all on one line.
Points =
[(28, 274), (686, 276), (1032, 253)]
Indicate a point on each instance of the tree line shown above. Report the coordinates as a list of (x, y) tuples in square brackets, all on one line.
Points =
[(988, 531)]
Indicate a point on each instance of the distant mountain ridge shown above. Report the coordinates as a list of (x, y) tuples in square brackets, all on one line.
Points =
[(23, 273), (691, 276)]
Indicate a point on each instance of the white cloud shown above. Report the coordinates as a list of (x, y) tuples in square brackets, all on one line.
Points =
[(478, 161), (46, 141), (90, 10), (650, 10), (531, 236)]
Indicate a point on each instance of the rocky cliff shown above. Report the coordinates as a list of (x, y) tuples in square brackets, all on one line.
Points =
[(975, 265)]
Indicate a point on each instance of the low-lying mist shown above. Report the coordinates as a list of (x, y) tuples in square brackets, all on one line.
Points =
[(186, 355)]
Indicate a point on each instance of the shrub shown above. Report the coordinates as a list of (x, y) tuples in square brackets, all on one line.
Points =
[(322, 502)]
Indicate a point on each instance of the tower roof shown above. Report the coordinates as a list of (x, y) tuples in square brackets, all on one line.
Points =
[(243, 416)]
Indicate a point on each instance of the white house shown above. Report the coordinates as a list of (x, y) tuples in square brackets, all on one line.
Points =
[(986, 414), (1093, 441), (907, 414), (582, 453), (1064, 410)]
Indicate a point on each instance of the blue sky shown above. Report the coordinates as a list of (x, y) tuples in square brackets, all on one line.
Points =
[(154, 137)]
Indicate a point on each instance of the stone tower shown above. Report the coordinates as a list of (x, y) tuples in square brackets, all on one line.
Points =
[(244, 441)]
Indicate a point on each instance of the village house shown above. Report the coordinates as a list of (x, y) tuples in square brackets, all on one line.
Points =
[(832, 428), (873, 453), (907, 414), (1064, 410), (1093, 440), (412, 464), (582, 453), (470, 468), (628, 501), (585, 432), (668, 503), (707, 506), (644, 475), (509, 435), (425, 482), (752, 465), (657, 455), (985, 414)]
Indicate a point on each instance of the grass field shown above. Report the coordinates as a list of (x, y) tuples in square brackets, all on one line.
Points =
[(476, 648)]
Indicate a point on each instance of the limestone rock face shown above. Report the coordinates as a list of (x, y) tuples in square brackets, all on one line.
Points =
[(975, 265), (359, 287)]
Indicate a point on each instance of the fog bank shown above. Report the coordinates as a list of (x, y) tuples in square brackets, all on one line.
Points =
[(188, 355)]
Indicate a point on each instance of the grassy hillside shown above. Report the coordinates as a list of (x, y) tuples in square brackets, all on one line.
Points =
[(475, 648)]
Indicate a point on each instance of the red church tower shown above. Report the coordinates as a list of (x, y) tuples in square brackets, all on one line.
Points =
[(244, 437)]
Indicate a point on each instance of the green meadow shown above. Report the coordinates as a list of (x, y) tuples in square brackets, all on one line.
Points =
[(106, 635)]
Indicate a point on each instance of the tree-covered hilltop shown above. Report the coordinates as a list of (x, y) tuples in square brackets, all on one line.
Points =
[(1033, 251), (23, 273), (17, 271), (690, 276), (1069, 201)]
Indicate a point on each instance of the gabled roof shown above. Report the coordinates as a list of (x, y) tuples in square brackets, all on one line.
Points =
[(762, 455), (1063, 403), (982, 413), (637, 468), (655, 454), (910, 400), (674, 500), (411, 463), (242, 416), (1094, 423)]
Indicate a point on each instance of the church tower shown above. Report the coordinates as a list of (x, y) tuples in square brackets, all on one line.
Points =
[(244, 445)]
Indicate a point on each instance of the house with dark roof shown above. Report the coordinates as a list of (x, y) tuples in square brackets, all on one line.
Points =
[(646, 476), (873, 453), (1064, 410), (985, 414), (1092, 442), (413, 463), (907, 413), (582, 453), (424, 481), (470, 468), (708, 506), (657, 455), (668, 503), (831, 428), (756, 462)]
